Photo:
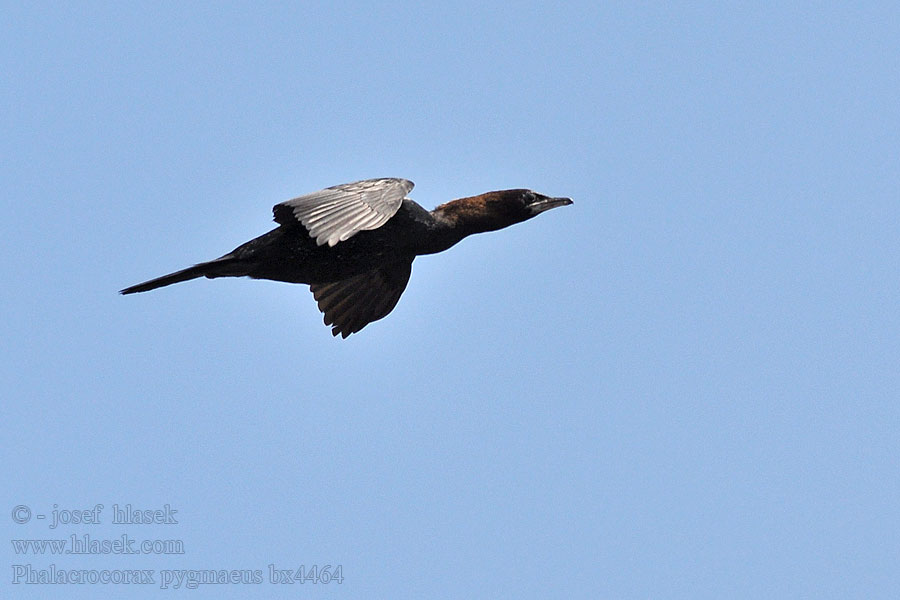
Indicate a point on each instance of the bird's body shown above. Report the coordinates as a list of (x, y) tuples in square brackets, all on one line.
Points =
[(354, 244), (289, 253)]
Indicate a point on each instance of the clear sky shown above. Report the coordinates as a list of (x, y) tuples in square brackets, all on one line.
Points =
[(685, 385)]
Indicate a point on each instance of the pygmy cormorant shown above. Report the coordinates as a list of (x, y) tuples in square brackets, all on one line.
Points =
[(354, 244)]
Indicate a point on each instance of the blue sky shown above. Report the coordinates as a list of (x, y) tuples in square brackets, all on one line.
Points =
[(684, 386)]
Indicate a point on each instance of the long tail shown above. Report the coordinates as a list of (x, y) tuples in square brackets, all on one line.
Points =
[(221, 267)]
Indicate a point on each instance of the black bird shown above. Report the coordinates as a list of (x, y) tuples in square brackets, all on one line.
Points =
[(354, 244)]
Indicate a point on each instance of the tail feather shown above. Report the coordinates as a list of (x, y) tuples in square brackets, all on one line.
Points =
[(221, 267)]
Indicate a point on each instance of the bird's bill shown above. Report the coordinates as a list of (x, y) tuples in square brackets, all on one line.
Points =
[(545, 204)]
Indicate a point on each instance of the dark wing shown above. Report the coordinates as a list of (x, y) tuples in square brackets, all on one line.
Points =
[(351, 304), (338, 213)]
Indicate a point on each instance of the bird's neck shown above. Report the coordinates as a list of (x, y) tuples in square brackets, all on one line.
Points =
[(468, 216)]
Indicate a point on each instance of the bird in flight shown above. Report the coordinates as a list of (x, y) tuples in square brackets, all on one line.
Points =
[(354, 244)]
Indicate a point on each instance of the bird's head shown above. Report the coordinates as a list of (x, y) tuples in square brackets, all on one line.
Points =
[(496, 210)]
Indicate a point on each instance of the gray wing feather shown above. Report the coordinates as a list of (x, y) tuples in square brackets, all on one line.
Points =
[(338, 213)]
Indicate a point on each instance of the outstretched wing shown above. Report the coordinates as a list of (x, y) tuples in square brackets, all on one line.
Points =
[(338, 213), (351, 304)]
